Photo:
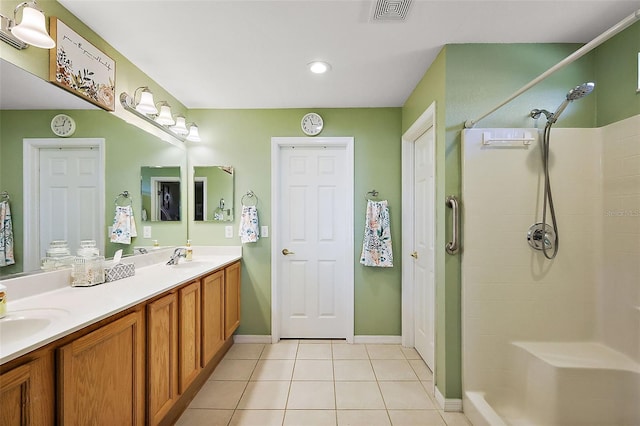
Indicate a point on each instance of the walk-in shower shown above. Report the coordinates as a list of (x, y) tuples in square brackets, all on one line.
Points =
[(541, 236)]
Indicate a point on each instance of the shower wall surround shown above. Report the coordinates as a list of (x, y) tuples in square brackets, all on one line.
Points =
[(589, 293), (619, 292)]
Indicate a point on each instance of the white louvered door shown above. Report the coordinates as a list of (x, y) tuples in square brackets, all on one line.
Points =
[(313, 224)]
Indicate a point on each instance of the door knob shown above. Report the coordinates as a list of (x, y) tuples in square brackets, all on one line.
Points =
[(414, 254), (287, 252)]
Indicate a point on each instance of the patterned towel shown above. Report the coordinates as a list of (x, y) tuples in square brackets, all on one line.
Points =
[(376, 247), (124, 225), (6, 235), (249, 231)]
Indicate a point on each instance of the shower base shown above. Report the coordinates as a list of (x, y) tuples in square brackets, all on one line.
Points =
[(561, 383)]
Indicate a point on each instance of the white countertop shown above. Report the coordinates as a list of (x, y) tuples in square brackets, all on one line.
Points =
[(72, 308)]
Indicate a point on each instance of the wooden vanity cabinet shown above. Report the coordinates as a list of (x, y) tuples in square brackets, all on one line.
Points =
[(162, 356), (231, 299), (27, 393), (189, 335), (101, 375), (212, 315)]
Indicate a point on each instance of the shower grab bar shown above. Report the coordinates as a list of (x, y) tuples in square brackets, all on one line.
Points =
[(623, 24), (453, 246)]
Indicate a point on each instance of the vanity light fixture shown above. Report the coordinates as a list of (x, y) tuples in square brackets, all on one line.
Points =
[(180, 126), (146, 104), (164, 119), (319, 67), (32, 30), (194, 134)]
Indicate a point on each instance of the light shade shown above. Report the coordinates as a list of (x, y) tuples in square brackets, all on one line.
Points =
[(146, 104), (319, 67), (180, 127), (33, 30), (165, 118), (194, 134)]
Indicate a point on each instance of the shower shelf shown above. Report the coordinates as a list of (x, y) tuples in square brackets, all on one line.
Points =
[(489, 139)]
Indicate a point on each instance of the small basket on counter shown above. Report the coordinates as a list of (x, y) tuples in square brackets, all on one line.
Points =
[(87, 271), (120, 271)]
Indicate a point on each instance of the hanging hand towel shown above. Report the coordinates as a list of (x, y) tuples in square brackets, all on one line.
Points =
[(376, 247), (124, 226), (249, 228), (6, 235)]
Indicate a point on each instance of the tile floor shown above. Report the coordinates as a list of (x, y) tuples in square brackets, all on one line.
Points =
[(323, 383)]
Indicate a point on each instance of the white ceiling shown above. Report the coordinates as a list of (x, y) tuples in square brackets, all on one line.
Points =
[(254, 54)]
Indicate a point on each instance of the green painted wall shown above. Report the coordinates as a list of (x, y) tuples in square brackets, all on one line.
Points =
[(242, 138), (616, 67), (127, 149)]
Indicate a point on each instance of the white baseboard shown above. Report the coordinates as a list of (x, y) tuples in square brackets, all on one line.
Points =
[(451, 404), (251, 338), (396, 340)]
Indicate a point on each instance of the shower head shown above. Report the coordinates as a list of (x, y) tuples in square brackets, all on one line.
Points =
[(575, 93), (580, 91)]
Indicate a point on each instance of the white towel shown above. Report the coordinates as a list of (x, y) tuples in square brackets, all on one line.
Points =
[(6, 235), (124, 225), (376, 246), (249, 231)]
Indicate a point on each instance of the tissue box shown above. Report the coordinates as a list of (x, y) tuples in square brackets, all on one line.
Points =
[(119, 271)]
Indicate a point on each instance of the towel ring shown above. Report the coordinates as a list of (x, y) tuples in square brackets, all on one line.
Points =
[(5, 195), (373, 193), (126, 196), (250, 194)]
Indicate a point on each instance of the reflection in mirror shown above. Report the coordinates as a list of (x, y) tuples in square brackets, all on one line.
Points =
[(213, 193), (160, 190)]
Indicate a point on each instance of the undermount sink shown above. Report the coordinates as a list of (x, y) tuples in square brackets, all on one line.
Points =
[(17, 325), (183, 264)]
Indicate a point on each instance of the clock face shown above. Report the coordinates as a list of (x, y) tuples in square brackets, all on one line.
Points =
[(312, 124), (63, 125)]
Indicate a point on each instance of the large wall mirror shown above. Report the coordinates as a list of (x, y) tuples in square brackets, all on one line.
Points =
[(160, 194), (28, 103), (213, 193)]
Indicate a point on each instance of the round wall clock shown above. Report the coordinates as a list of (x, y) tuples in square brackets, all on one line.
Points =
[(311, 124), (63, 125)]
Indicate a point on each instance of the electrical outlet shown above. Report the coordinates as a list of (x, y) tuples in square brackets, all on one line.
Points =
[(264, 231), (228, 231), (146, 231)]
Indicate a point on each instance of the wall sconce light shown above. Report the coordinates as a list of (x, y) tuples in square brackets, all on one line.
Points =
[(32, 30), (180, 126), (146, 109), (194, 134), (145, 105)]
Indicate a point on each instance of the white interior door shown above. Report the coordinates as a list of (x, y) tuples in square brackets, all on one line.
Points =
[(70, 196), (424, 254), (314, 225)]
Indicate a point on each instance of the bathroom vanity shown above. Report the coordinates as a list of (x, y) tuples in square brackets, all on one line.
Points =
[(133, 351)]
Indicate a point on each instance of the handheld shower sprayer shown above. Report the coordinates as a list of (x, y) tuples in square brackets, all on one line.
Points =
[(576, 93), (542, 236)]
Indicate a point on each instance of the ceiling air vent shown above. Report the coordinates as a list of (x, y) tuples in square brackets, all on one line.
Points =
[(391, 10)]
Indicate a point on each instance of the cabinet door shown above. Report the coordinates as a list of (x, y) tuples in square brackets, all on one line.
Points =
[(101, 375), (212, 315), (27, 394), (189, 334), (231, 299), (162, 356)]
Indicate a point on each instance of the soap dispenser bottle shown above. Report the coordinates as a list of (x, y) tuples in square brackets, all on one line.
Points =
[(189, 254), (3, 301)]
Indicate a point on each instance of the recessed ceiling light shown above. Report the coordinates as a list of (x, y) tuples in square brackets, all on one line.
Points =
[(319, 67)]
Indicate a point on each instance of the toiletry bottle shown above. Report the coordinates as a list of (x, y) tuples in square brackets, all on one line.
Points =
[(189, 255), (3, 301), (156, 244)]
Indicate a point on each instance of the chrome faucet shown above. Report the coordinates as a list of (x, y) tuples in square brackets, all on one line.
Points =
[(177, 254), (140, 250)]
